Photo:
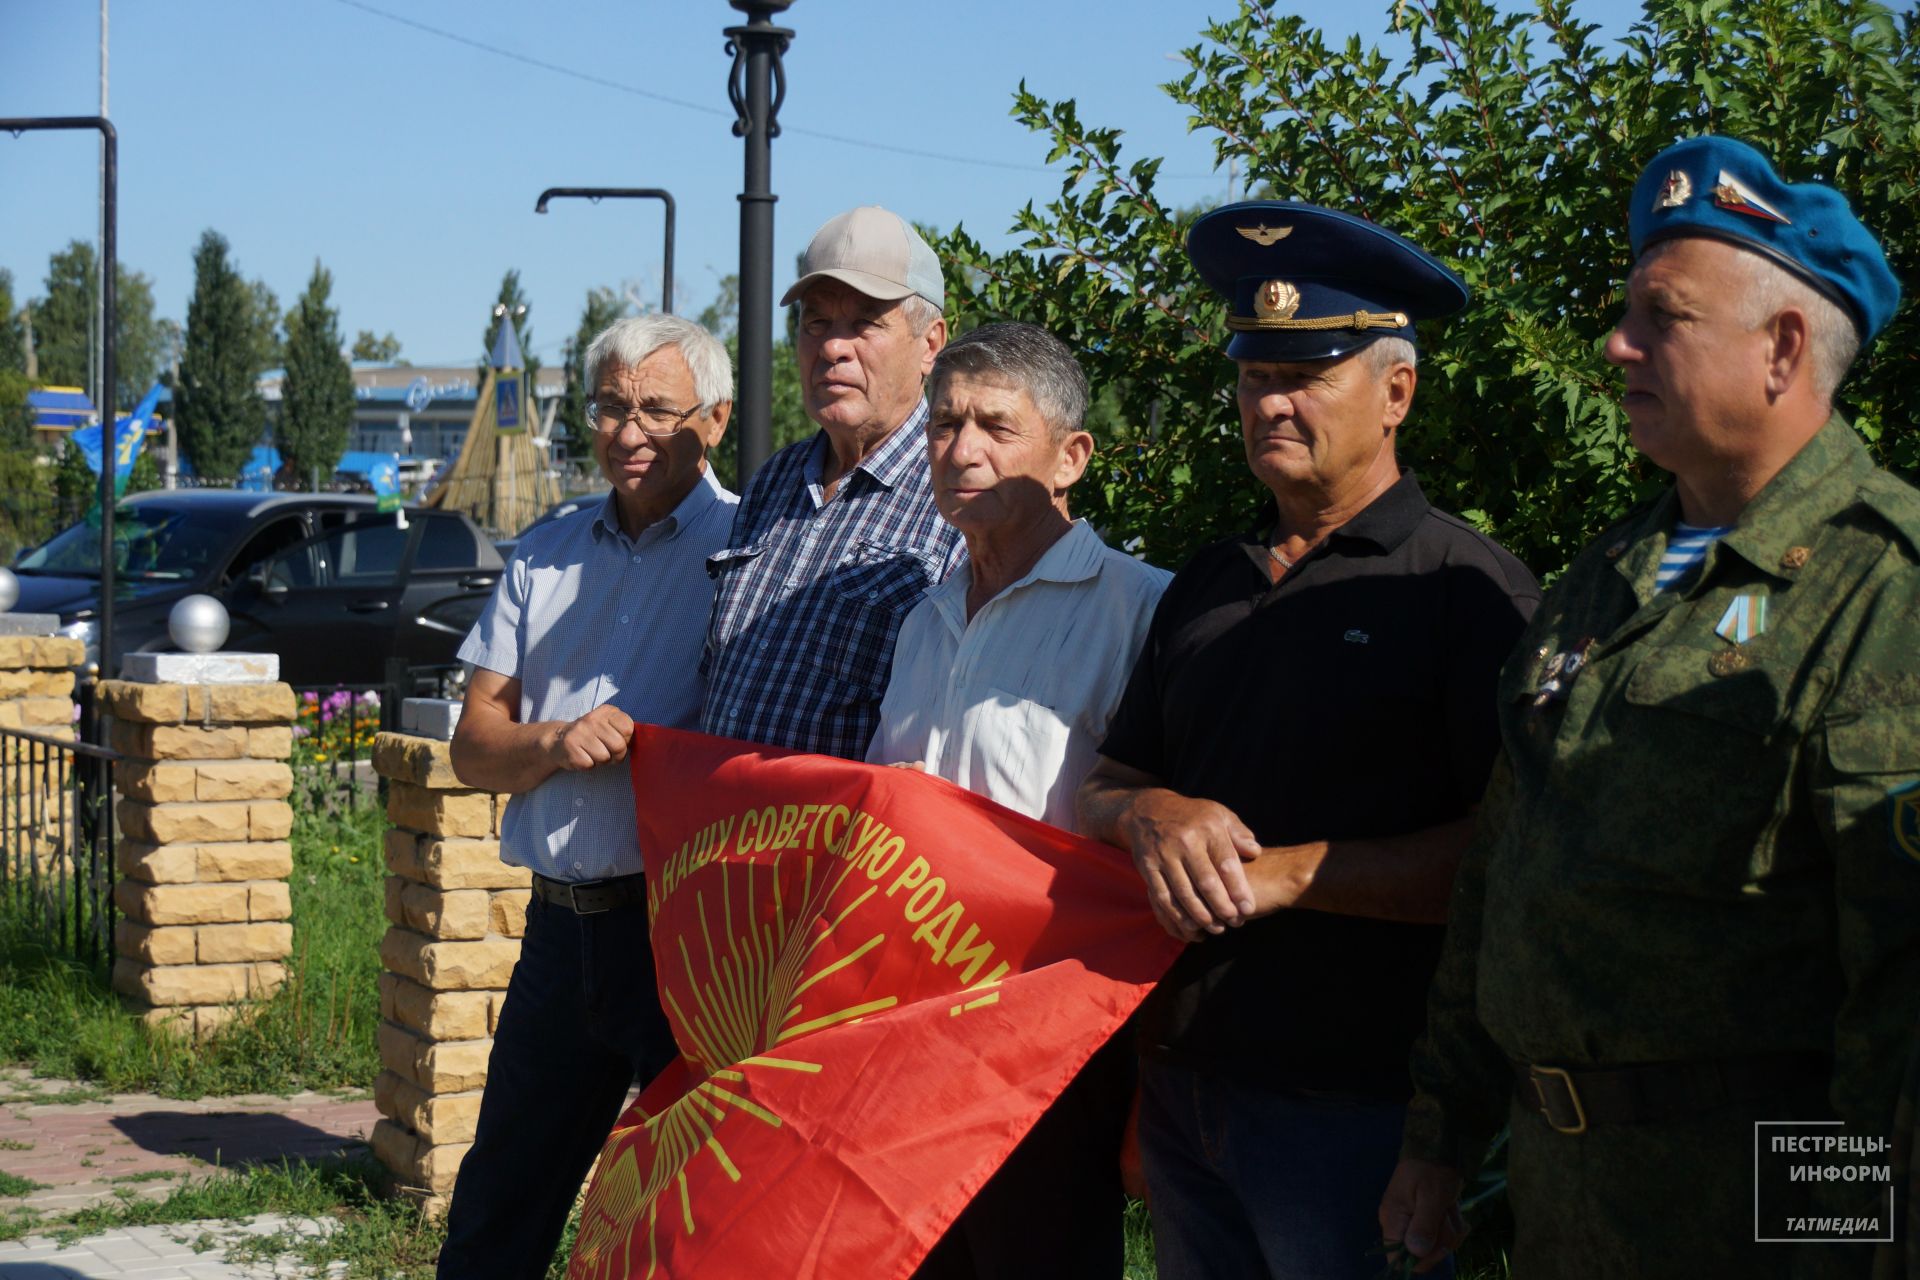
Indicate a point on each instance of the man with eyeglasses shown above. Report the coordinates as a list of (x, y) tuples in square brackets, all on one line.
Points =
[(837, 537), (597, 623)]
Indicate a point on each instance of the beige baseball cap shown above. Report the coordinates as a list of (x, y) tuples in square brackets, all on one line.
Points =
[(875, 251)]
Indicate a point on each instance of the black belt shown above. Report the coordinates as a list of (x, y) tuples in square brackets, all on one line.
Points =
[(591, 897), (1570, 1099)]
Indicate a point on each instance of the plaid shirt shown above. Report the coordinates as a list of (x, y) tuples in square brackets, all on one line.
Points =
[(812, 593)]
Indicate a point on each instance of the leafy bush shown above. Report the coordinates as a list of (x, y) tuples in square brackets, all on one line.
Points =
[(1507, 144)]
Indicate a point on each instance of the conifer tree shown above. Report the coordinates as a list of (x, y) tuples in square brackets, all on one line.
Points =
[(217, 402), (604, 306), (316, 399)]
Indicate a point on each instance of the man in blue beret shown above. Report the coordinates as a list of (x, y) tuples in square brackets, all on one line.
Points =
[(1683, 960), (1295, 762)]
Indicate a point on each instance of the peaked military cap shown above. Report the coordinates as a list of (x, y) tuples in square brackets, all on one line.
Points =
[(1723, 188), (1307, 283)]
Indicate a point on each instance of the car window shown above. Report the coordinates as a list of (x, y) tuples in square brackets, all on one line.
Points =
[(149, 541), (276, 537), (368, 554), (445, 544), (365, 555), (294, 569)]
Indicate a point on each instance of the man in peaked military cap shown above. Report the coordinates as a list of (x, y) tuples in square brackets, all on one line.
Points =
[(1688, 936), (1295, 762)]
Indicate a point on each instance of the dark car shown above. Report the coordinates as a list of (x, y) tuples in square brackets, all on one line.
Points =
[(327, 581), (559, 510)]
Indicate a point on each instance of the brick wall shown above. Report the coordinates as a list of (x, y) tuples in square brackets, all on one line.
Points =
[(203, 856), (36, 683), (457, 913)]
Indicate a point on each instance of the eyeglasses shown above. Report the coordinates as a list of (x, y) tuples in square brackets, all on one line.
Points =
[(657, 421)]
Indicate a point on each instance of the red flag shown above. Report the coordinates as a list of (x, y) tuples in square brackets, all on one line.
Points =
[(877, 980)]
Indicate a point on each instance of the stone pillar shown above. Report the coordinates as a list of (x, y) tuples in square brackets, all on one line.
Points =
[(36, 694), (457, 915), (36, 674), (204, 819)]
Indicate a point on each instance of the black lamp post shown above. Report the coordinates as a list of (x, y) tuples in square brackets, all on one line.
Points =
[(598, 194), (109, 446), (757, 87)]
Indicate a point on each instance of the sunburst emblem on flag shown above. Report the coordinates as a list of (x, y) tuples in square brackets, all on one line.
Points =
[(751, 1001)]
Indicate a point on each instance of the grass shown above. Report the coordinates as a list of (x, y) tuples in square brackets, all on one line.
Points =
[(381, 1238), (14, 1185), (61, 1019), (376, 1236)]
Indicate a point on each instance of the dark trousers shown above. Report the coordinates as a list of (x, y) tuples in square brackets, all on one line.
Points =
[(1248, 1184), (1054, 1207), (581, 1024)]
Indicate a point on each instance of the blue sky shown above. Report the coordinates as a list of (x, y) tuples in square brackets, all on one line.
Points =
[(409, 162)]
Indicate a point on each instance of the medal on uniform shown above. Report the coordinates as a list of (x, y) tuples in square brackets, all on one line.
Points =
[(1744, 619), (1556, 677)]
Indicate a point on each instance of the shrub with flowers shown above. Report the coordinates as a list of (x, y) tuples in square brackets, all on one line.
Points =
[(330, 732)]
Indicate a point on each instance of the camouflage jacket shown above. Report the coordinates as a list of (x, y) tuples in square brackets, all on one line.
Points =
[(1703, 838)]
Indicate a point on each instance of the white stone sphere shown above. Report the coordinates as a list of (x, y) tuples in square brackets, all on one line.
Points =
[(9, 590), (198, 624)]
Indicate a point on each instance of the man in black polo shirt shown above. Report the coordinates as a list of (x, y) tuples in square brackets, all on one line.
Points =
[(1296, 761)]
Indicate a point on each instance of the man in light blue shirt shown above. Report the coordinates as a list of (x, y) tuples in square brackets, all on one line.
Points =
[(598, 622)]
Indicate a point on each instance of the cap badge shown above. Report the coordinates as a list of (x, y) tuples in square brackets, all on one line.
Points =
[(1265, 235), (1276, 300), (1676, 191), (1735, 196)]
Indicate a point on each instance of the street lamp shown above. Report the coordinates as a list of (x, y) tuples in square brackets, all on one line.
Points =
[(757, 86), (597, 194), (109, 443)]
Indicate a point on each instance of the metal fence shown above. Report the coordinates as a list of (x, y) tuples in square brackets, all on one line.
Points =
[(57, 840), (335, 724)]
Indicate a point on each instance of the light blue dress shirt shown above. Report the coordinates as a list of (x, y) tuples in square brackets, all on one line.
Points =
[(584, 616)]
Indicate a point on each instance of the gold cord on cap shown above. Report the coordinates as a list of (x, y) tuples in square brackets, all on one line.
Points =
[(1358, 320)]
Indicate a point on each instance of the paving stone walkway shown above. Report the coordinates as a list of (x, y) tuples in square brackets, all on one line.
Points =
[(175, 1252), (84, 1152)]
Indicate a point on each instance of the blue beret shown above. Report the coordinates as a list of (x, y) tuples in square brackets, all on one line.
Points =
[(1307, 283), (1721, 187)]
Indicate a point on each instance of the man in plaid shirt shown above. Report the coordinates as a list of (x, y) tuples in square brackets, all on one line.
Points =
[(837, 537)]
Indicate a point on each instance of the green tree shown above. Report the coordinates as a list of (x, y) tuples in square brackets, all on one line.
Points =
[(603, 307), (16, 419), (382, 350), (264, 335), (316, 397), (144, 474), (63, 325), (76, 486), (13, 333), (1507, 144), (515, 301), (218, 410)]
